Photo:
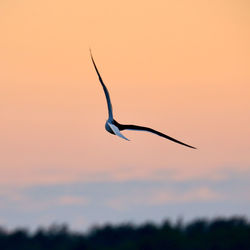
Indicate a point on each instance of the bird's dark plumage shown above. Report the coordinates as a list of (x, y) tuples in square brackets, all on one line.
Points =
[(113, 127)]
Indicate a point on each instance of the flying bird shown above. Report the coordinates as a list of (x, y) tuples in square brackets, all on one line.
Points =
[(113, 127)]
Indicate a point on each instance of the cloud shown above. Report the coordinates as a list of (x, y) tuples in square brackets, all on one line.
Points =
[(59, 175), (26, 202), (201, 194), (162, 197), (72, 200), (113, 201)]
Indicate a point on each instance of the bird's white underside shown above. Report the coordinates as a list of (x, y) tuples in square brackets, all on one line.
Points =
[(117, 131)]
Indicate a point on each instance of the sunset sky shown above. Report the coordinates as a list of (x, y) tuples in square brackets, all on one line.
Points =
[(181, 67)]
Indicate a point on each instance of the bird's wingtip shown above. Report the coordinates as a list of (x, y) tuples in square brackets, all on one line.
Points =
[(90, 51)]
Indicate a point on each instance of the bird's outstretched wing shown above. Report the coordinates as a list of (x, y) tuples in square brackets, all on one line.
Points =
[(104, 88), (140, 128), (117, 131)]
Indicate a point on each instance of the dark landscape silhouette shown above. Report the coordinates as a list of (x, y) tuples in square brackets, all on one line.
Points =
[(202, 234)]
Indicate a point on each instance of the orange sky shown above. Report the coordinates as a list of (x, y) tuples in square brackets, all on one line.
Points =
[(181, 67)]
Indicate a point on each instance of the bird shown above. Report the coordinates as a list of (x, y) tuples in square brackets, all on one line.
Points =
[(115, 128)]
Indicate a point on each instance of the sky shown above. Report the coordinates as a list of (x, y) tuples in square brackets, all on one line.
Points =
[(180, 67)]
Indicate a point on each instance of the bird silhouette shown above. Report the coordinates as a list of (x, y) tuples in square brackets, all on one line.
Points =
[(113, 127)]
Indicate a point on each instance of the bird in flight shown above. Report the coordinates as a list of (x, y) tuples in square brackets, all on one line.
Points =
[(113, 127)]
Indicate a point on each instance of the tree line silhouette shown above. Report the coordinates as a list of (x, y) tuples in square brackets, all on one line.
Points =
[(217, 234)]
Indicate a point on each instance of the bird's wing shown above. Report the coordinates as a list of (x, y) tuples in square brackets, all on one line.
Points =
[(104, 88), (117, 131), (140, 128)]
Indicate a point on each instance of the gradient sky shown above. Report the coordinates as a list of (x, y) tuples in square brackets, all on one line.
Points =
[(181, 67)]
